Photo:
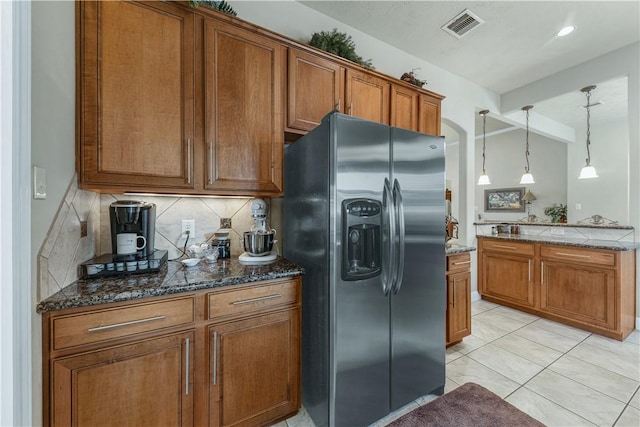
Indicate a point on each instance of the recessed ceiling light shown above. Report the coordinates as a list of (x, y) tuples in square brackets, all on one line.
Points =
[(565, 31)]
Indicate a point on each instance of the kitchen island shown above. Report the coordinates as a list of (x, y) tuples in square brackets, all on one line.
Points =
[(581, 276), (165, 348)]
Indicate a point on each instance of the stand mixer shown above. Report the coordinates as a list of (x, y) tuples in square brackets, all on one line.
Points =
[(258, 243)]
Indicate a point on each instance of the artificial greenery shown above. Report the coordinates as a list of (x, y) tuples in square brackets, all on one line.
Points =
[(340, 44), (557, 213), (220, 6), (411, 78)]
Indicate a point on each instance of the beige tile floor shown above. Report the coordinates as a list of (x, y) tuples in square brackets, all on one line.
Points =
[(560, 375)]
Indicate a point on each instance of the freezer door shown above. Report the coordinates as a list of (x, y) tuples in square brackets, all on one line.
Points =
[(418, 299), (359, 308)]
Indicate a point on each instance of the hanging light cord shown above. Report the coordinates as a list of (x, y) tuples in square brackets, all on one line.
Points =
[(588, 127), (526, 151), (484, 136)]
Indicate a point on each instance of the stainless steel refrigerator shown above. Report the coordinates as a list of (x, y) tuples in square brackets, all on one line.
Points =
[(364, 213)]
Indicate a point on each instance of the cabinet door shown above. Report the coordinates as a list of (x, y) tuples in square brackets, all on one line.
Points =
[(508, 277), (244, 128), (255, 369), (367, 97), (143, 384), (315, 88), (579, 292), (135, 95), (429, 115), (458, 306), (404, 108)]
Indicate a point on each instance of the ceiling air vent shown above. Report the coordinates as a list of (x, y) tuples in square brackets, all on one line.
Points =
[(462, 24)]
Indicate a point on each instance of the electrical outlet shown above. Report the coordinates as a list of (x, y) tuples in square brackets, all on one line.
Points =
[(190, 226), (225, 222), (578, 206)]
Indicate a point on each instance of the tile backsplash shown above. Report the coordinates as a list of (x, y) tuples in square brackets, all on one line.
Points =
[(64, 248)]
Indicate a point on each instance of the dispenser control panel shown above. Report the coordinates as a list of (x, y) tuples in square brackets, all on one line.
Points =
[(361, 238)]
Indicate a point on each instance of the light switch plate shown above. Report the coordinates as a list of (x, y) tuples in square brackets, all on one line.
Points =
[(39, 183)]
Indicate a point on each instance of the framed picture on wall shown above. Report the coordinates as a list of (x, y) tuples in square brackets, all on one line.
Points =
[(504, 200)]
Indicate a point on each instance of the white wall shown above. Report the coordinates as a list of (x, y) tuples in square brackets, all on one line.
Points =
[(505, 163), (607, 195)]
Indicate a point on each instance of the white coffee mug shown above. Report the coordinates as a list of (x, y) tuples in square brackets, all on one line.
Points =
[(127, 243)]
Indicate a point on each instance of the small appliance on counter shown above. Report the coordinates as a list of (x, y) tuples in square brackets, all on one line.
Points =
[(258, 243), (133, 229)]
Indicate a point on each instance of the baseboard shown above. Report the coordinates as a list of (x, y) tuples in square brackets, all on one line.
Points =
[(638, 323), (475, 296)]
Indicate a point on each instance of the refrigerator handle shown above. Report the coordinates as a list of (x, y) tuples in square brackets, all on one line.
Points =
[(389, 253), (399, 206)]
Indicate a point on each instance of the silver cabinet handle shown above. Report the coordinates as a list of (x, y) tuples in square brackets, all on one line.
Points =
[(529, 268), (573, 255), (252, 300), (186, 368), (462, 262), (210, 162), (189, 161), (504, 247), (214, 363), (542, 273), (120, 325), (453, 291)]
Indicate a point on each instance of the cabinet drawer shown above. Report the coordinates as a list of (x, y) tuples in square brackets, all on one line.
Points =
[(246, 300), (586, 256), (98, 325), (508, 246), (458, 263)]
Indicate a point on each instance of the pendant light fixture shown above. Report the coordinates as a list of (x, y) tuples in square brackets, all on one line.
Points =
[(588, 171), (527, 178), (484, 178)]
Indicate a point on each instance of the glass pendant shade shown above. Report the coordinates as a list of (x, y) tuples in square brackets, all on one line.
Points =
[(527, 178), (484, 178), (588, 171)]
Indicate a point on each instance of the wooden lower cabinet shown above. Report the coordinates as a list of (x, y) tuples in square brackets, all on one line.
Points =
[(147, 383), (179, 360), (508, 273), (591, 289), (241, 396), (458, 322)]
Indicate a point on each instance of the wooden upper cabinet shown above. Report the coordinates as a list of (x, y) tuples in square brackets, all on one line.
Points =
[(135, 95), (404, 108), (244, 76), (367, 96), (429, 114), (315, 88)]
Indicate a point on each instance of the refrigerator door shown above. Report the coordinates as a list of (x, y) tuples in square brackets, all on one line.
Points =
[(359, 308), (418, 301)]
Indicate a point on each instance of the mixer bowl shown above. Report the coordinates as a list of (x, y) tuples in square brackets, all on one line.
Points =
[(258, 244)]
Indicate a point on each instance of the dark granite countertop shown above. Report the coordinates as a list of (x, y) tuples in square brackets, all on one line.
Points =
[(611, 226), (566, 241), (458, 249), (172, 278)]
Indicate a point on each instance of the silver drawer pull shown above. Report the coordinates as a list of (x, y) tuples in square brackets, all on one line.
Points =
[(252, 300), (132, 322), (186, 367), (504, 247), (462, 262), (573, 255)]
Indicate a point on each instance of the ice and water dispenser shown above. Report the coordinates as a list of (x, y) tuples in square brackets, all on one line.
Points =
[(361, 237)]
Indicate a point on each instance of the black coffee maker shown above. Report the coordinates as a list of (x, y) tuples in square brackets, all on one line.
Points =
[(133, 229)]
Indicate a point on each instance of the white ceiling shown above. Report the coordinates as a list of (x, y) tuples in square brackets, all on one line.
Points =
[(515, 45)]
